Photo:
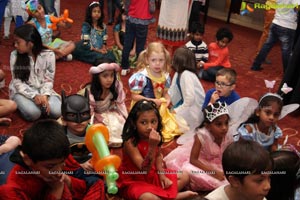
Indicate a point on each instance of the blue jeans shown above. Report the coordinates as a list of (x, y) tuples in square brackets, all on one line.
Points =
[(285, 36), (48, 6), (136, 32), (6, 166), (2, 9), (210, 73), (31, 112)]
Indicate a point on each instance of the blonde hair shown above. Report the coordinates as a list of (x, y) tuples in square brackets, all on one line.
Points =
[(156, 47)]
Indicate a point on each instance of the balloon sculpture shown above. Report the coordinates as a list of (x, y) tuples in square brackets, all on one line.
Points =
[(105, 164), (55, 20)]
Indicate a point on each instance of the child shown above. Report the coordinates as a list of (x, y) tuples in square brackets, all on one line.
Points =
[(119, 36), (186, 91), (62, 49), (201, 156), (139, 16), (142, 175), (244, 164), (152, 80), (224, 91), (93, 37), (196, 44), (261, 125), (33, 70), (218, 55), (107, 99), (38, 173), (283, 177)]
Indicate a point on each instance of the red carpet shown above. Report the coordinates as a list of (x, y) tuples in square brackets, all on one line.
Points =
[(71, 76)]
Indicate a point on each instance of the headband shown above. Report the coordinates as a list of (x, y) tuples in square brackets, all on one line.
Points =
[(269, 94), (31, 6), (215, 110), (94, 2), (104, 66)]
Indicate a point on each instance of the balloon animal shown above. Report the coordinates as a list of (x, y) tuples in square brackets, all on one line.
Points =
[(96, 140), (55, 20)]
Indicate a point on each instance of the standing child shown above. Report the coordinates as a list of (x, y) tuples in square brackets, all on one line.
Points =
[(218, 55), (261, 125), (142, 175), (93, 37), (38, 173), (33, 70), (224, 91), (107, 99), (119, 37), (201, 157), (152, 80), (244, 164), (186, 91), (197, 45), (62, 49)]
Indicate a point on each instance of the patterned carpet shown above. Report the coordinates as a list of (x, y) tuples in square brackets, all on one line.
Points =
[(71, 76)]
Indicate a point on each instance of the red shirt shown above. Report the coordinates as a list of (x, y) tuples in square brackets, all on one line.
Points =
[(139, 9), (217, 56)]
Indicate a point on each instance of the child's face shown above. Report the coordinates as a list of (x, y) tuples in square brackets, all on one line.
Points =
[(22, 46), (197, 37), (269, 115), (77, 128), (106, 78), (156, 63), (219, 126), (223, 86), (96, 13), (223, 43), (40, 13), (145, 122), (254, 186)]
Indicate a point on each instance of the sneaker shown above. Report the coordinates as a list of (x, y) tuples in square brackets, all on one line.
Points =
[(267, 61), (68, 57), (124, 72), (2, 84), (6, 37), (254, 68)]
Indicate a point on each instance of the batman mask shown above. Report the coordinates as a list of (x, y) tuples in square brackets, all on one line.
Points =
[(75, 108)]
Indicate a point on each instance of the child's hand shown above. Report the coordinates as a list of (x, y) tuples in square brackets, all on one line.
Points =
[(57, 186), (132, 52), (158, 102), (214, 97), (154, 138), (165, 181), (87, 166)]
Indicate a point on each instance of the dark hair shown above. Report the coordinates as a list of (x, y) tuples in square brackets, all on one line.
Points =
[(88, 15), (45, 140), (28, 33), (96, 87), (197, 28), (119, 18), (264, 101), (245, 157), (284, 180), (224, 33), (141, 106), (184, 59), (229, 73)]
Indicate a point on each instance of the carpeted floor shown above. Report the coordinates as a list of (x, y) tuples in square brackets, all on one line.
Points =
[(71, 76)]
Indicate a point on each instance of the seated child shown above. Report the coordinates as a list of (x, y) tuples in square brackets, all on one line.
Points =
[(244, 165), (197, 45), (224, 91), (218, 55), (38, 173), (201, 156), (62, 49), (261, 126)]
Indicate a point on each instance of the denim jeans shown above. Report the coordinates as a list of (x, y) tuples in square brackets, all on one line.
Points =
[(285, 36), (137, 32), (111, 9), (31, 112), (2, 9), (210, 73), (48, 6)]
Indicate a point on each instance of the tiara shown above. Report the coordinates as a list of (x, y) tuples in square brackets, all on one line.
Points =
[(215, 110), (94, 2)]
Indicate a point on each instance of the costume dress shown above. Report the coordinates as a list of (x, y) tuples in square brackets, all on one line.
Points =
[(22, 185), (113, 114), (234, 96), (265, 140), (91, 37), (133, 183), (210, 154)]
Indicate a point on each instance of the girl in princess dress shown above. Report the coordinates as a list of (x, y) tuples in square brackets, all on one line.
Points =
[(202, 157)]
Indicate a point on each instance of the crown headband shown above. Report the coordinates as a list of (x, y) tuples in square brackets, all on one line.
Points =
[(269, 94), (215, 110), (31, 6), (104, 66), (94, 2)]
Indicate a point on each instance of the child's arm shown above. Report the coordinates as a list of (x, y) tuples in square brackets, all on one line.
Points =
[(117, 37), (143, 163), (137, 97), (165, 181), (10, 144), (223, 55), (194, 160)]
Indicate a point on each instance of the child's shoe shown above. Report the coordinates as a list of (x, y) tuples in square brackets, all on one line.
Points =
[(2, 84), (124, 72), (68, 57)]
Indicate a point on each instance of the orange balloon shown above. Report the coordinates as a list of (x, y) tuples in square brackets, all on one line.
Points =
[(90, 133), (108, 160)]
